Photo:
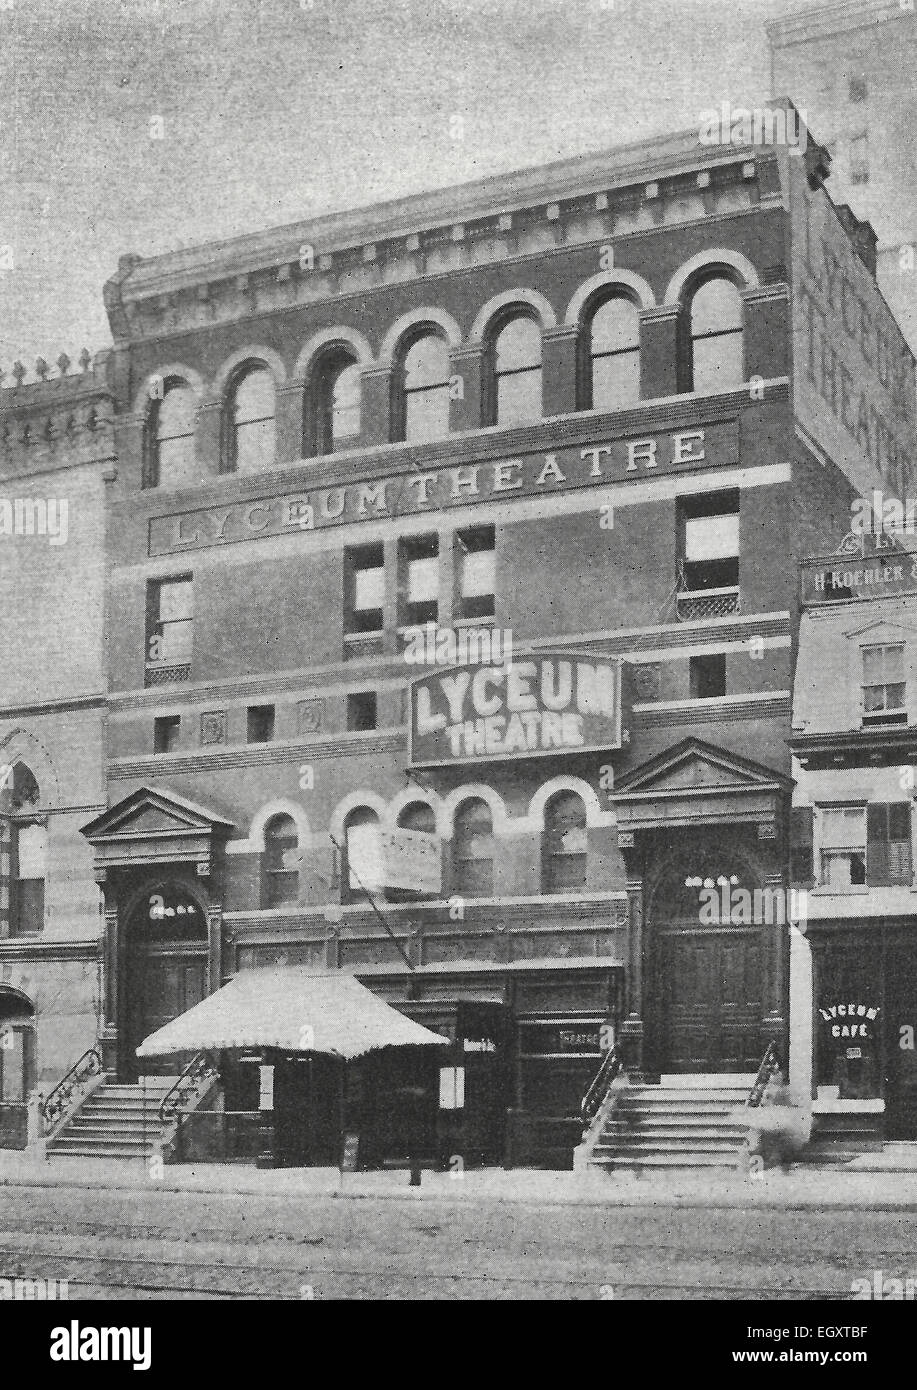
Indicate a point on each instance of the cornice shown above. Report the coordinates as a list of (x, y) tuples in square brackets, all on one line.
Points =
[(33, 948), (36, 708), (767, 705), (256, 755), (825, 21)]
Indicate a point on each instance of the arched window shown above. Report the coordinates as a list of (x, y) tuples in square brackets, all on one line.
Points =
[(716, 336), (418, 816), (516, 371), (425, 389), (473, 850), (614, 355), (336, 402), (363, 852), (28, 856), (281, 862), (564, 844), (170, 440), (251, 432), (17, 1048)]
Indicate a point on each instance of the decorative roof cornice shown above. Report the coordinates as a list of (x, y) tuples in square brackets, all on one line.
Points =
[(828, 20)]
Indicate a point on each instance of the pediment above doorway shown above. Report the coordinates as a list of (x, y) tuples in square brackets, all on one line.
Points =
[(696, 783), (155, 827)]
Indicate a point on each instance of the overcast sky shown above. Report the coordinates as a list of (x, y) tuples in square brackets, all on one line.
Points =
[(273, 110)]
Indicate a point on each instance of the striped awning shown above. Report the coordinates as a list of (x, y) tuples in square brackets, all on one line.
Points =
[(293, 1009)]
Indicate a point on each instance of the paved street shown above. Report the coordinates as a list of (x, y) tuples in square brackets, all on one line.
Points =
[(154, 1243)]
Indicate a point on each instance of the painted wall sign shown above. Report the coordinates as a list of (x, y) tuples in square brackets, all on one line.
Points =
[(881, 566), (853, 373), (414, 493), (558, 703), (547, 1039)]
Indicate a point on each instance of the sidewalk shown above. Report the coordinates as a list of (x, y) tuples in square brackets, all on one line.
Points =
[(844, 1186)]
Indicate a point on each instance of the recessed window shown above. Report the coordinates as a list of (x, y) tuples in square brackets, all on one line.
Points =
[(516, 372), (708, 676), (281, 861), (857, 89), (565, 844), (170, 437), (843, 847), (614, 355), (425, 389), (28, 857), (364, 580), (336, 402), (363, 870), (710, 543), (473, 850), (251, 426), (716, 337), (419, 580), (260, 723), (361, 711), (884, 684), (859, 159), (165, 733), (170, 621), (476, 572)]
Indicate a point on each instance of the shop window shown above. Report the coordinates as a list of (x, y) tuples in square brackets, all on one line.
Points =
[(476, 566), (708, 676), (424, 379), (166, 731), (260, 723), (565, 843), (363, 870), (29, 867), (843, 847), (170, 623), (364, 587), (888, 843), (281, 857), (515, 372), (170, 458), (709, 543), (613, 378), (473, 850), (361, 711), (250, 425), (419, 580), (884, 685), (716, 337), (336, 402)]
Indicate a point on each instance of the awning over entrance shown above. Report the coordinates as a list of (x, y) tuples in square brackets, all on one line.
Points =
[(294, 1010)]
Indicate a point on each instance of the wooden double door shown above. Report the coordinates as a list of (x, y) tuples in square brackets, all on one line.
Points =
[(707, 999), (161, 983)]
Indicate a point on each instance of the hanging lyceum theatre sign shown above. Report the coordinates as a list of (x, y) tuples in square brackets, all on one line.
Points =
[(554, 703)]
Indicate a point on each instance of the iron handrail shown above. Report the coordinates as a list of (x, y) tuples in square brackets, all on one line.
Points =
[(770, 1063), (58, 1098), (601, 1084), (195, 1072)]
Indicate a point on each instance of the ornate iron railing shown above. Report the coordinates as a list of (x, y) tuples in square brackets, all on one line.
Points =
[(770, 1063), (58, 1101), (187, 1087), (601, 1084)]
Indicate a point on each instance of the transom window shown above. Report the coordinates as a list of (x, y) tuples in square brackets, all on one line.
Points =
[(716, 336), (251, 421), (614, 379), (425, 388), (884, 683), (517, 371)]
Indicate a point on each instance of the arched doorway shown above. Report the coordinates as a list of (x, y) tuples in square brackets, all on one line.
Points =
[(165, 968), (706, 913)]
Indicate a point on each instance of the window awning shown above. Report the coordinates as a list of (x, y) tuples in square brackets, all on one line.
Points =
[(293, 1009)]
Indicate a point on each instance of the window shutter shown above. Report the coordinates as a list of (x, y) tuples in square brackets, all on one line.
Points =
[(877, 844), (802, 861)]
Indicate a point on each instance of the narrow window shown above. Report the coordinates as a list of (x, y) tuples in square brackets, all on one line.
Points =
[(361, 711), (170, 622), (708, 676), (716, 337), (260, 723), (30, 861), (337, 402), (281, 872), (859, 159), (565, 844), (516, 372), (614, 377), (473, 850), (165, 733), (476, 572), (843, 847), (364, 581), (888, 843), (171, 461), (419, 576), (425, 389), (363, 850), (710, 541), (884, 684), (251, 422)]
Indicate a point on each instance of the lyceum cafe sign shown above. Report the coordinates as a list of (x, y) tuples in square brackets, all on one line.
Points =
[(553, 703), (416, 492)]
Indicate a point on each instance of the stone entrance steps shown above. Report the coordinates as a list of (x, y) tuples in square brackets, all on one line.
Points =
[(686, 1122), (116, 1121)]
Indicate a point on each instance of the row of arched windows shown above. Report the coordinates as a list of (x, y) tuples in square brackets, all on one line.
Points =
[(471, 873), (608, 379)]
